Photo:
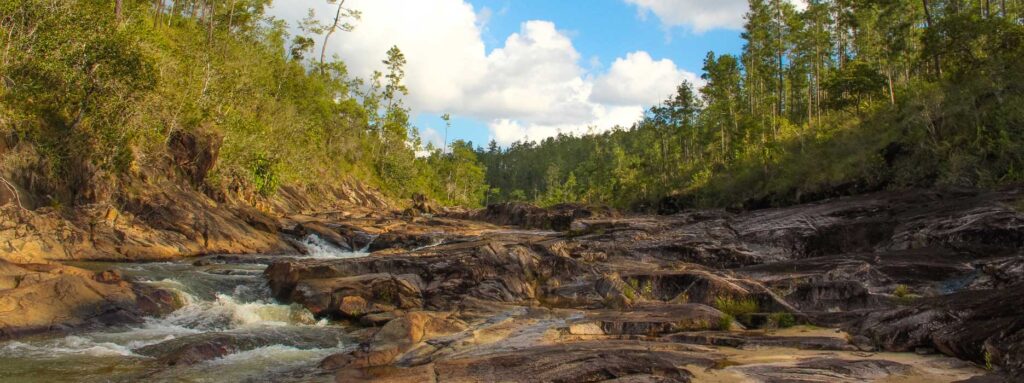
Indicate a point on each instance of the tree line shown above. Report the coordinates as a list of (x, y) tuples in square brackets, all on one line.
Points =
[(841, 97)]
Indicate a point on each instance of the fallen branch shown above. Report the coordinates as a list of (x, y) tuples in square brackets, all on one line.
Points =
[(17, 197)]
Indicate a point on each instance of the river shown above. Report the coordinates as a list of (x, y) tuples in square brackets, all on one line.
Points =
[(220, 300)]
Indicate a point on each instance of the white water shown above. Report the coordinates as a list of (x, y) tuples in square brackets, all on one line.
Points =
[(212, 302), (318, 248)]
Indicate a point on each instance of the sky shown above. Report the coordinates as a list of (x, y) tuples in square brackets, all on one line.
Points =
[(510, 70)]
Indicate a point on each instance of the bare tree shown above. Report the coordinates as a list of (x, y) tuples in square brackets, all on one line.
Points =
[(338, 24)]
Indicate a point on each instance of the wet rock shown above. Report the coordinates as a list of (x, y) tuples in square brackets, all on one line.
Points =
[(74, 299), (831, 370), (538, 301), (591, 361), (397, 336), (356, 296), (751, 340), (499, 270), (192, 349), (322, 231)]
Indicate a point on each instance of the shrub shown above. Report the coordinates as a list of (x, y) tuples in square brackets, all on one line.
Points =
[(736, 307), (781, 320), (901, 291), (725, 322)]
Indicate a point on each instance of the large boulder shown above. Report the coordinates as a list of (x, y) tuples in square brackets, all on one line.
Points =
[(74, 298)]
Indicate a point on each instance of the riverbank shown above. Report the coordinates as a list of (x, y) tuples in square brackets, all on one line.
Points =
[(887, 287)]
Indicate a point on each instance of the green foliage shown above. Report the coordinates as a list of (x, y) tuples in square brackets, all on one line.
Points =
[(630, 293), (737, 308), (725, 323), (781, 320), (456, 177), (904, 295), (648, 289), (988, 361), (840, 98), (264, 175), (92, 97), (901, 291)]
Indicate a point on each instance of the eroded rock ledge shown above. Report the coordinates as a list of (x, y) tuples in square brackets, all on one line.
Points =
[(642, 298)]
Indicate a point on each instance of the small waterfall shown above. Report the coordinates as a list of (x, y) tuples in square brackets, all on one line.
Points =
[(366, 249), (318, 248)]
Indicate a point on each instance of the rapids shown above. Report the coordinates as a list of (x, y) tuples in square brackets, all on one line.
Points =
[(219, 300)]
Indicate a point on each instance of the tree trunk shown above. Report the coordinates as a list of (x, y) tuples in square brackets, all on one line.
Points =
[(330, 31), (118, 5), (892, 93), (231, 16), (780, 50), (159, 12), (209, 17), (936, 61)]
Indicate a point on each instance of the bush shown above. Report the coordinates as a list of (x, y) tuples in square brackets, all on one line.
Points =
[(725, 322), (737, 308), (781, 320), (901, 291)]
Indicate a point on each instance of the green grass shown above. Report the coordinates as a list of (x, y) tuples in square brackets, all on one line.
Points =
[(725, 322), (735, 307)]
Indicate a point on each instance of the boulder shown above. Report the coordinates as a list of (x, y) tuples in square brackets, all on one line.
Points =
[(74, 298)]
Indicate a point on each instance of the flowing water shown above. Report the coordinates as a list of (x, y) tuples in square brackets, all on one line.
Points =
[(281, 342)]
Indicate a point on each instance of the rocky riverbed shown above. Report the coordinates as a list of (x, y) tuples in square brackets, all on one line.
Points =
[(890, 287)]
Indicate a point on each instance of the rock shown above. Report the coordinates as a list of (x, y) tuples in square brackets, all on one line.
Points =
[(558, 217), (109, 277), (354, 297), (751, 340), (194, 153), (353, 306), (577, 362), (834, 370), (192, 349), (834, 296), (74, 299), (421, 205), (397, 336), (980, 326), (648, 319)]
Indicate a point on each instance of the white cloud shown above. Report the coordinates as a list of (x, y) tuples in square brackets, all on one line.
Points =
[(639, 79), (440, 40), (700, 15), (432, 136), (533, 86)]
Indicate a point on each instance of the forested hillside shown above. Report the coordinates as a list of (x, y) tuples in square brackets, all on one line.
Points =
[(843, 97), (94, 92), (840, 98)]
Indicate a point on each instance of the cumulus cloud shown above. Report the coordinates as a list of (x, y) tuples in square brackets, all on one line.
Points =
[(639, 79), (700, 15), (533, 86)]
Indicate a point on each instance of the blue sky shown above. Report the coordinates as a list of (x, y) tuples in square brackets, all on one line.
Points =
[(529, 69), (601, 30)]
